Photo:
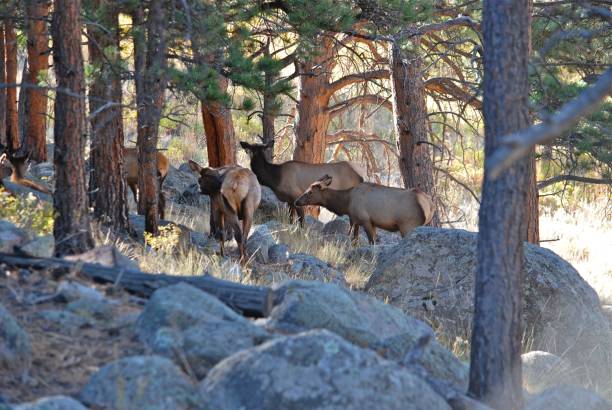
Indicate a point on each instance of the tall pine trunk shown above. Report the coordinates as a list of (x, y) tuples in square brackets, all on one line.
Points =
[(410, 115), (107, 178), (12, 122), (532, 209), (71, 228), (269, 111), (495, 366), (2, 89), (38, 63), (219, 130), (153, 87)]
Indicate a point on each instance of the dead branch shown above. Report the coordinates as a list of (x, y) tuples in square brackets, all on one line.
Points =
[(517, 145), (574, 178)]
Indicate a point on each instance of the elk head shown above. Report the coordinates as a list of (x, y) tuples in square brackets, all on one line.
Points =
[(314, 194)]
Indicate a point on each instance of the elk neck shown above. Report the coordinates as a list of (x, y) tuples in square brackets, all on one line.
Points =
[(268, 174), (336, 200)]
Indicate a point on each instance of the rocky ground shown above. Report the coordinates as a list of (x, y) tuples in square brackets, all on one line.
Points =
[(397, 340)]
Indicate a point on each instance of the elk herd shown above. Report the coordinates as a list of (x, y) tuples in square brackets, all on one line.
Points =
[(235, 193)]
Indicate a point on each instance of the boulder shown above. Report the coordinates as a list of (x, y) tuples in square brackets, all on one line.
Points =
[(181, 306), (430, 274), (92, 309), (308, 267), (542, 370), (567, 398), (269, 204), (313, 223), (52, 403), (177, 182), (11, 236), (278, 253), (337, 226), (62, 321), (206, 344), (106, 256), (15, 347), (362, 320), (314, 370), (70, 291), (259, 242), (40, 247), (139, 382)]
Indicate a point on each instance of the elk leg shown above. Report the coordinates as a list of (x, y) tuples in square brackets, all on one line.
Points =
[(355, 234), (292, 214), (222, 226), (240, 238), (162, 199), (300, 212), (370, 231)]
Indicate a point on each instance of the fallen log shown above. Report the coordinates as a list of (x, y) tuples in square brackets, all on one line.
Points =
[(251, 301)]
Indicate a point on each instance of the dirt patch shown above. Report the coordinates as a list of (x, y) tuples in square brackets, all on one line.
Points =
[(64, 355)]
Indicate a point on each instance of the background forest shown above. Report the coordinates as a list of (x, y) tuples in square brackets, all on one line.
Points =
[(394, 86)]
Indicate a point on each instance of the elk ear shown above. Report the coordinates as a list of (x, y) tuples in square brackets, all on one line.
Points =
[(269, 144), (245, 145), (325, 181), (194, 166)]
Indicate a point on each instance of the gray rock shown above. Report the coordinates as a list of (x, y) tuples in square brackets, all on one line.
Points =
[(430, 274), (11, 236), (313, 223), (63, 321), (70, 291), (567, 398), (43, 170), (259, 243), (179, 307), (542, 370), (337, 226), (278, 253), (177, 182), (269, 205), (106, 256), (362, 320), (314, 370), (52, 403), (139, 382), (205, 344), (92, 309), (308, 267), (607, 311), (40, 247), (15, 347)]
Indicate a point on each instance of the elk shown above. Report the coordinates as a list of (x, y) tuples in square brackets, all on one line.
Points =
[(130, 156), (18, 165), (372, 206), (234, 195), (290, 179)]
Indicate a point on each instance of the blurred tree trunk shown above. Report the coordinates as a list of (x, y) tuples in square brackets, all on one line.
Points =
[(38, 63), (532, 209), (153, 88), (410, 118), (12, 122), (495, 366), (140, 50), (107, 178), (22, 105), (71, 228), (269, 110), (219, 130), (2, 90)]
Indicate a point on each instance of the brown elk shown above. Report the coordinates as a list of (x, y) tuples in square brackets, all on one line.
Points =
[(234, 195), (372, 206), (18, 166), (130, 156), (290, 179)]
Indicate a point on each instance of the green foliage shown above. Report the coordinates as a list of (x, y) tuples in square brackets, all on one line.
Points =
[(28, 213)]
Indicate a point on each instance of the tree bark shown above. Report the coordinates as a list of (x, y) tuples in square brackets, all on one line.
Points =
[(495, 369), (2, 90), (269, 112), (219, 130), (140, 50), (410, 115), (12, 122), (153, 87), (107, 178), (38, 63), (532, 209), (71, 228)]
